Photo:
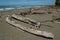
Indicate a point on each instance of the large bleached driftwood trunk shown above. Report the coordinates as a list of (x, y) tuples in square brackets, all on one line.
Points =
[(33, 31)]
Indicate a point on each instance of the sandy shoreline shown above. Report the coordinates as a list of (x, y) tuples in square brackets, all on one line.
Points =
[(8, 32)]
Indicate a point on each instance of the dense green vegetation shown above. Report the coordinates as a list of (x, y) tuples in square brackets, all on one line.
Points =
[(57, 2)]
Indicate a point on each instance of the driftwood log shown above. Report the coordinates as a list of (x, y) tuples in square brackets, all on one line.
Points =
[(32, 31), (27, 20)]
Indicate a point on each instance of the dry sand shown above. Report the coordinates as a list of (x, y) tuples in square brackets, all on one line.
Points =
[(9, 32)]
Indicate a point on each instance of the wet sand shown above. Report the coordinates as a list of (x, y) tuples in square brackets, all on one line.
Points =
[(9, 32)]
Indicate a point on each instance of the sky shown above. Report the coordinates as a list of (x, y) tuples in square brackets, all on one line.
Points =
[(26, 2)]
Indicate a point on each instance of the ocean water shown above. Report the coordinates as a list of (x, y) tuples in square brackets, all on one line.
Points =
[(12, 4)]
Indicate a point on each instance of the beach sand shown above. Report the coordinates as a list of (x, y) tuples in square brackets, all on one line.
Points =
[(9, 32)]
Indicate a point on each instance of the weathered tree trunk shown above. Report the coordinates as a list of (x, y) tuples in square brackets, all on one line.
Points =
[(32, 31)]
